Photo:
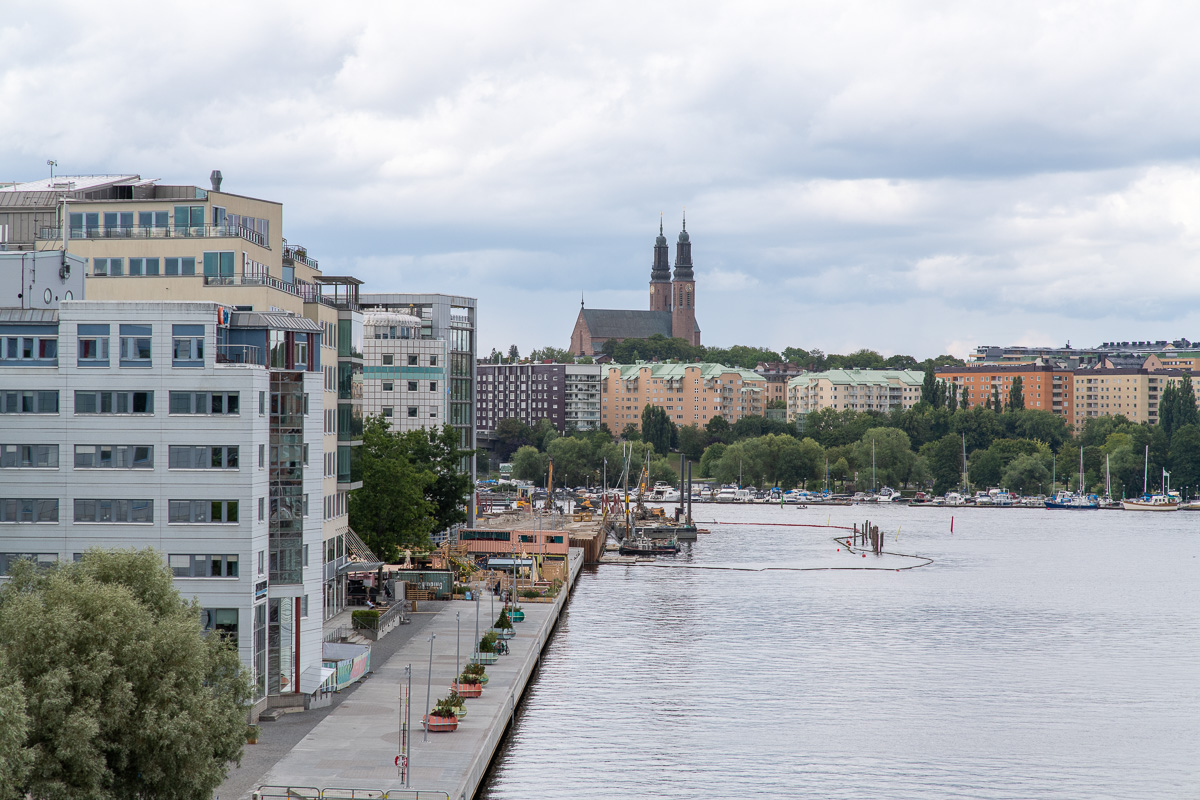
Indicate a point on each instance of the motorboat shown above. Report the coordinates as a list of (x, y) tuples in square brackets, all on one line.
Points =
[(1070, 500)]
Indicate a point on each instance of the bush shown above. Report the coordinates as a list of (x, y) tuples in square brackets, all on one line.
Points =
[(468, 677), (445, 707), (530, 593), (503, 622), (367, 618), (487, 644), (475, 670)]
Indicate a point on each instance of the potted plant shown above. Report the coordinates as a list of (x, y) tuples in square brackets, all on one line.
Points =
[(442, 719), (486, 653), (456, 702), (467, 685), (478, 671), (516, 614), (503, 627), (251, 734)]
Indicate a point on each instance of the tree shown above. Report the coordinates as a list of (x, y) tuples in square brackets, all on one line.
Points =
[(573, 460), (997, 406), (15, 758), (435, 451), (631, 433), (985, 468), (390, 511), (1016, 397), (965, 400), (530, 465), (712, 456), (718, 429), (511, 434), (658, 429), (555, 354), (1185, 458), (945, 462), (929, 387), (692, 441), (127, 698), (1187, 413), (1026, 474), (514, 354), (893, 456)]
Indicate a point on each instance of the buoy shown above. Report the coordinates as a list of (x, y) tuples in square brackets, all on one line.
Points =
[(864, 555), (952, 524)]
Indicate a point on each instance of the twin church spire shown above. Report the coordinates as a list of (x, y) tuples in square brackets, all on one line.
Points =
[(675, 295)]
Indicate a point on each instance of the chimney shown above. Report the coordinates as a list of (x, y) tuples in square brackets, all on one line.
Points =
[(215, 177)]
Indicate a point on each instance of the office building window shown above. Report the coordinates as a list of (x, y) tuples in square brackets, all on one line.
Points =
[(412, 386), (387, 411), (34, 456), (203, 566), (212, 511), (29, 509), (218, 265), (388, 359), (108, 266), (114, 511), (114, 456), (114, 402), (135, 345), (412, 361), (412, 411), (187, 345), (204, 403), (223, 621), (433, 386), (387, 386), (179, 266), (41, 559), (28, 402), (29, 348), (202, 457), (93, 345)]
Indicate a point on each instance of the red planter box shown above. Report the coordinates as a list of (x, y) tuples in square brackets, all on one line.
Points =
[(441, 724), (467, 689)]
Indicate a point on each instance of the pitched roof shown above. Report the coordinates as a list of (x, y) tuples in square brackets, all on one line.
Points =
[(603, 323), (677, 370), (863, 377)]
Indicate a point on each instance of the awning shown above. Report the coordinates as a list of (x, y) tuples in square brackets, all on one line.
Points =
[(357, 548), (359, 566), (510, 562), (312, 678)]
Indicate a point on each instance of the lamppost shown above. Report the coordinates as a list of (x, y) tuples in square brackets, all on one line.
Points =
[(477, 583), (457, 642), (429, 686)]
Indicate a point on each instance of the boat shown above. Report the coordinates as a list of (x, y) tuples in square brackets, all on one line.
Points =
[(728, 494), (644, 546), (1167, 501), (1070, 500)]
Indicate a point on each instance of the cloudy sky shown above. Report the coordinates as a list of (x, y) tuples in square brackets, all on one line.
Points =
[(916, 177)]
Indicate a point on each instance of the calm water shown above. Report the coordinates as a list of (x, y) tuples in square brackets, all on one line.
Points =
[(1043, 654)]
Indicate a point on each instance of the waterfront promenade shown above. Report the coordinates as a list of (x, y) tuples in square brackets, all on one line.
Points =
[(355, 746)]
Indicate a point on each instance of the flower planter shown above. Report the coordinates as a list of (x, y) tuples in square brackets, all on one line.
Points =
[(516, 616), (503, 633), (484, 658), (483, 679), (460, 711), (440, 724), (467, 689)]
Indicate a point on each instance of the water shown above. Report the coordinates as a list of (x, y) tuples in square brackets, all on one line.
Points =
[(1043, 654)]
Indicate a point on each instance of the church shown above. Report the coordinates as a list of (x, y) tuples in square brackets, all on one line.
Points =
[(672, 305)]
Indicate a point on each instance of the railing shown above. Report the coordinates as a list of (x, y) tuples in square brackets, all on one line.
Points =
[(138, 232), (299, 255), (313, 793), (308, 292), (240, 354)]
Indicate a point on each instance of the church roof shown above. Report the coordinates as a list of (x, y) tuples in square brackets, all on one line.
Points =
[(603, 323)]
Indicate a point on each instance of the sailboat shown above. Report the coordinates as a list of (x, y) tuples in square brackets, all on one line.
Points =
[(1078, 500), (1153, 502)]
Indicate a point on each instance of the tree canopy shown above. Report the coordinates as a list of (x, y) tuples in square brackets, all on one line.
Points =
[(122, 694)]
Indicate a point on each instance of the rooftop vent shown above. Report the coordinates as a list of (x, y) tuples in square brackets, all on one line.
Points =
[(215, 177)]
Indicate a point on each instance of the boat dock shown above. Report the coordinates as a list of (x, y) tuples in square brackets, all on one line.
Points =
[(357, 746)]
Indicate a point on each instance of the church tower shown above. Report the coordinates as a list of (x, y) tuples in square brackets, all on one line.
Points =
[(660, 274), (683, 292)]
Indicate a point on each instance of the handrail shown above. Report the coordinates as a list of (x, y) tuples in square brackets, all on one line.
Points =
[(139, 232)]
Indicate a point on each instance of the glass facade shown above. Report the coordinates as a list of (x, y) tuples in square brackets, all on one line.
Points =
[(287, 477)]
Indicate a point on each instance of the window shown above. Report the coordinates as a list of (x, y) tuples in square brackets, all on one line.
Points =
[(179, 266), (412, 411), (262, 403), (262, 455), (202, 457), (218, 265), (29, 509), (108, 266), (93, 345), (118, 223), (222, 620), (412, 361), (114, 456), (41, 559), (114, 511), (387, 411), (192, 566), (143, 266), (204, 403), (187, 345), (387, 386), (28, 402), (114, 402), (135, 345), (262, 508), (412, 386), (433, 386), (29, 348), (388, 359), (223, 511), (17, 456), (189, 220), (152, 219), (433, 361)]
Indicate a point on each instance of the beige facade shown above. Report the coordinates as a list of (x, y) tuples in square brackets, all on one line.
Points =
[(854, 389), (1133, 393), (691, 394)]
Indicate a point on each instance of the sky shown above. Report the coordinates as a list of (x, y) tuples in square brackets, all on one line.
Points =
[(911, 177)]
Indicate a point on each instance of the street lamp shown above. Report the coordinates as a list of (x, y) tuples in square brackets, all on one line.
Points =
[(429, 686), (457, 642)]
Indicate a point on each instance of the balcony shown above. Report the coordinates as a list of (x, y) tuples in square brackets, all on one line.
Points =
[(298, 254), (137, 232), (240, 354), (307, 292)]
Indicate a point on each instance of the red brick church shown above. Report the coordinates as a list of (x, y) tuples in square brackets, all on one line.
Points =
[(672, 305)]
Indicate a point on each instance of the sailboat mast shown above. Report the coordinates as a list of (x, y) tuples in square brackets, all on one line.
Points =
[(1107, 477), (873, 481), (1146, 472), (964, 462), (1081, 470)]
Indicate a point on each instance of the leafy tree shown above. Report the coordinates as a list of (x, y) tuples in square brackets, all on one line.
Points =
[(945, 462), (985, 468), (997, 405), (15, 758), (1168, 407), (125, 696), (893, 456), (1187, 413), (965, 401), (1038, 424), (840, 470), (753, 425), (951, 398), (511, 434), (632, 433), (712, 456), (929, 387), (1016, 395), (718, 430), (573, 460), (777, 405), (658, 429), (692, 441), (530, 465), (556, 354), (391, 510), (436, 452), (980, 426), (1185, 457), (1026, 474)]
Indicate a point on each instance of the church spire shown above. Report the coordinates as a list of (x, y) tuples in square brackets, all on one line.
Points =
[(660, 271), (683, 254)]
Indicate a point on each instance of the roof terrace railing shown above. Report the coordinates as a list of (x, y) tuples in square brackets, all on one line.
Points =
[(149, 232)]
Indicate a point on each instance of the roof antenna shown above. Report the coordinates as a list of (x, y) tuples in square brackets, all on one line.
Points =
[(581, 299), (660, 232), (685, 218)]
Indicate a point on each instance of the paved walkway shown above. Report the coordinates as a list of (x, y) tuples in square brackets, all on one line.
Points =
[(355, 744)]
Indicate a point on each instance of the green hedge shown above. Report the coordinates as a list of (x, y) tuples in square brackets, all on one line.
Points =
[(365, 618)]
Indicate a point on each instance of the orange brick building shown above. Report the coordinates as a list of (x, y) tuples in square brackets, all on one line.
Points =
[(1045, 388)]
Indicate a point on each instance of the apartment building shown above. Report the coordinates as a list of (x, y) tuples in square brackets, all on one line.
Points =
[(1130, 392), (431, 373), (777, 374), (566, 394), (853, 389), (183, 426), (1046, 387), (691, 394)]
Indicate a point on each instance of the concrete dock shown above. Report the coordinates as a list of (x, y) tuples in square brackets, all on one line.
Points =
[(356, 746)]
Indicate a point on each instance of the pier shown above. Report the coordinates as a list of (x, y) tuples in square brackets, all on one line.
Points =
[(357, 745)]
